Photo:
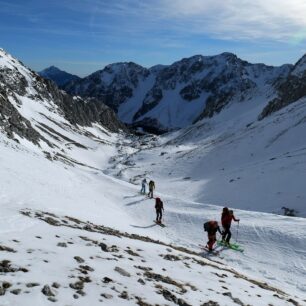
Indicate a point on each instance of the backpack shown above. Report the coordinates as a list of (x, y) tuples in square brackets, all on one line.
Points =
[(210, 226), (206, 226)]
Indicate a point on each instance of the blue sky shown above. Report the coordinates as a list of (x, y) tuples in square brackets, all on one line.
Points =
[(82, 36)]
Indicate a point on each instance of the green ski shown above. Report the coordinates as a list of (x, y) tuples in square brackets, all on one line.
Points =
[(232, 246)]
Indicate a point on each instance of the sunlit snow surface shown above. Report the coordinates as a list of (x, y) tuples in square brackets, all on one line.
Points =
[(244, 164), (256, 169)]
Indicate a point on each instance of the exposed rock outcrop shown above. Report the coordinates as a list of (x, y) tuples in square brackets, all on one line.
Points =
[(290, 89), (19, 85), (207, 83)]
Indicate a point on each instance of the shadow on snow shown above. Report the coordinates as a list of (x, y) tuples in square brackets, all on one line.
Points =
[(135, 202), (149, 226)]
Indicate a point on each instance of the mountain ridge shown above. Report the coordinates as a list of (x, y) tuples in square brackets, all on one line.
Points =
[(177, 95), (22, 89), (60, 77)]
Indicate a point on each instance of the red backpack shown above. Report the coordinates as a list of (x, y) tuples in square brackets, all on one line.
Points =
[(209, 225)]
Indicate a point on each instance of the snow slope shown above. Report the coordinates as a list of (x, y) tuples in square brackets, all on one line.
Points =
[(58, 196), (242, 163), (239, 161), (33, 184)]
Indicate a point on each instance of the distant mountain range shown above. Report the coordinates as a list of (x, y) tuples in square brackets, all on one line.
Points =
[(163, 98), (60, 77)]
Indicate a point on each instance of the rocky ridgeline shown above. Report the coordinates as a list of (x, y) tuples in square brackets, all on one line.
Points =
[(113, 85), (18, 83), (58, 76), (290, 89), (212, 81), (101, 264), (12, 122), (217, 80)]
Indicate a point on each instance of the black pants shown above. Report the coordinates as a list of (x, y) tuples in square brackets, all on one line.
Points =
[(227, 234), (159, 214), (150, 193)]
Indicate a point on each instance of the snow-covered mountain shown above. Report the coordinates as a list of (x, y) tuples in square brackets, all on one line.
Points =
[(175, 96), (290, 89), (58, 76), (29, 104), (74, 229)]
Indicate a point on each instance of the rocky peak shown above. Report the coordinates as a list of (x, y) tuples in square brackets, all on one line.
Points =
[(24, 95), (58, 76), (299, 68), (3, 53), (122, 74), (210, 83), (112, 85), (290, 88), (51, 69)]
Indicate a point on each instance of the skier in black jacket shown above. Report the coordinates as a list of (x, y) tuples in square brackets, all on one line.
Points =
[(151, 188), (159, 207)]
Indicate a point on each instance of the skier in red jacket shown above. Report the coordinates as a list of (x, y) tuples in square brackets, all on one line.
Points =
[(226, 220)]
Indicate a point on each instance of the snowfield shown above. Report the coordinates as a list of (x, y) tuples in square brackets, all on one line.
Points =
[(274, 248), (74, 229), (245, 164)]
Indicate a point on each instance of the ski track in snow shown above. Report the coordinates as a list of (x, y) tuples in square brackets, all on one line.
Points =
[(270, 251), (90, 195), (275, 246)]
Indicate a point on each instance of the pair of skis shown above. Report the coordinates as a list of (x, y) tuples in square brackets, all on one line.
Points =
[(232, 246), (212, 252), (158, 223), (147, 196)]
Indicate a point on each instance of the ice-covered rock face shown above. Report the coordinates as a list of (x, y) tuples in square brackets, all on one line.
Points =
[(13, 74), (113, 85), (179, 94), (15, 82), (299, 68), (24, 95), (290, 89)]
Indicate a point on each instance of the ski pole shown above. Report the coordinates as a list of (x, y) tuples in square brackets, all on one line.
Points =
[(237, 232)]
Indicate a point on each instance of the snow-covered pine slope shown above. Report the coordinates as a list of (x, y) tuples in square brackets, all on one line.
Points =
[(60, 77), (39, 248), (177, 95)]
